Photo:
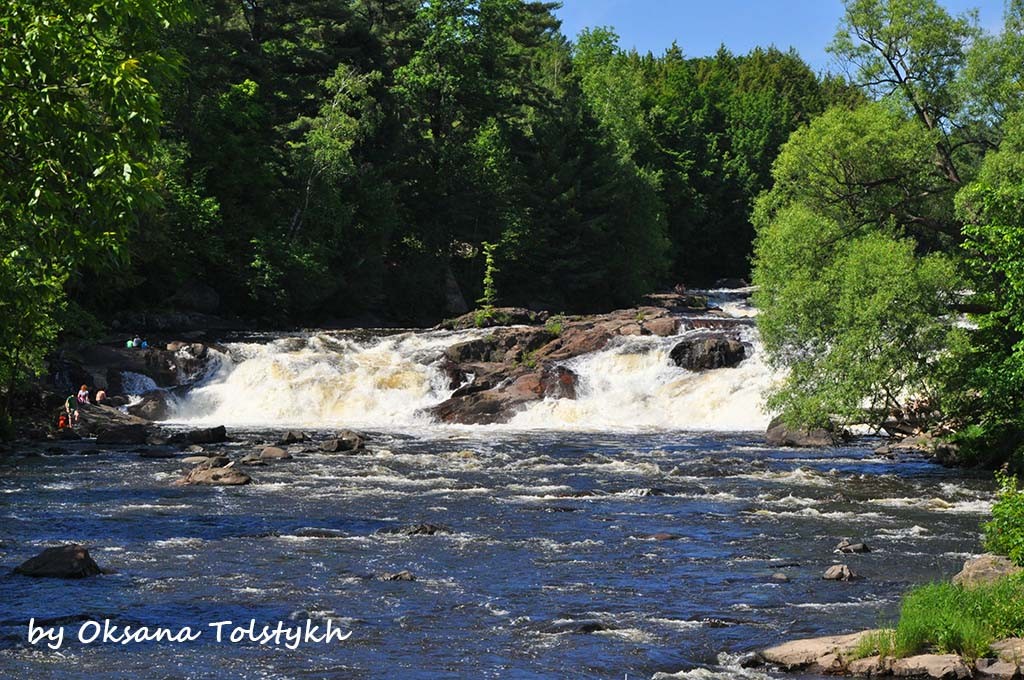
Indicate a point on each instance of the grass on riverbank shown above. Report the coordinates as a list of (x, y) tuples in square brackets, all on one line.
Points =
[(950, 619)]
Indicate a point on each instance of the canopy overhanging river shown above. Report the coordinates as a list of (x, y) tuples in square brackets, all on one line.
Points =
[(636, 531)]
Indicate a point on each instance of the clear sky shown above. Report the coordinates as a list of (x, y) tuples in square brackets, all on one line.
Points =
[(700, 26)]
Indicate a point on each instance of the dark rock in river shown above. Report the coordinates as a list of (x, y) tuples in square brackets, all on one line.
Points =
[(499, 316), (66, 561), (122, 434), (779, 434), (704, 352), (422, 529), (846, 546), (293, 437), (218, 476), (209, 435), (346, 441), (399, 576), (155, 405), (94, 420)]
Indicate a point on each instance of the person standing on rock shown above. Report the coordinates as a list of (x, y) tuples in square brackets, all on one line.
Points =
[(83, 395), (71, 406)]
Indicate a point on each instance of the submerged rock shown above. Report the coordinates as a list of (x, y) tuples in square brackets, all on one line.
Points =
[(66, 561), (422, 529), (403, 575)]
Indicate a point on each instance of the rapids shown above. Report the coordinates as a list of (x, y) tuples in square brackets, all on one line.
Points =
[(324, 379)]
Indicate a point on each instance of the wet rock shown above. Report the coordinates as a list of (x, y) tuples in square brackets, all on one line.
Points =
[(662, 327), (313, 532), (839, 572), (643, 492), (155, 405), (122, 434), (779, 434), (399, 576), (661, 536), (985, 569), (558, 382), (194, 460), (67, 435), (195, 449), (217, 476), (846, 546), (779, 577), (938, 666), (813, 654), (66, 561), (422, 529), (215, 462), (274, 453), (252, 459), (293, 437), (209, 435), (346, 441), (704, 352)]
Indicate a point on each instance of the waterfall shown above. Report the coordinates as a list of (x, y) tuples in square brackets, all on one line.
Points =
[(328, 380)]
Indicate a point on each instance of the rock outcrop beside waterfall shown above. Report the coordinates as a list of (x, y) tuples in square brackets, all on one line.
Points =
[(494, 376)]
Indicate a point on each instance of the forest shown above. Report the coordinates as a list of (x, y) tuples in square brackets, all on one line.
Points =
[(298, 163)]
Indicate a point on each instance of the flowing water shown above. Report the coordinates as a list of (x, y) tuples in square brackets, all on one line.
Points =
[(552, 568)]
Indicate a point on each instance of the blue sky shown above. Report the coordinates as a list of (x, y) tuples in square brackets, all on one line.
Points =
[(700, 26)]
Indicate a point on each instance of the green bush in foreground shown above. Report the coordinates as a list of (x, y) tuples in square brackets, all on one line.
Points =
[(1004, 535), (950, 619)]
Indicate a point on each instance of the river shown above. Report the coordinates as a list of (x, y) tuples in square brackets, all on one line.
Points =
[(634, 534)]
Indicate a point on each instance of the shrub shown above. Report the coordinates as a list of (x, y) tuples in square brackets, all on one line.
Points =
[(1004, 534)]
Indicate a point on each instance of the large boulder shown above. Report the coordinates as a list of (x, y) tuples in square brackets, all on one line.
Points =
[(704, 352), (780, 434), (814, 654), (65, 561), (215, 476), (93, 419), (985, 569), (208, 435), (154, 405)]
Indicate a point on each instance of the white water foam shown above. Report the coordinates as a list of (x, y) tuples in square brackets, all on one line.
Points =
[(331, 380)]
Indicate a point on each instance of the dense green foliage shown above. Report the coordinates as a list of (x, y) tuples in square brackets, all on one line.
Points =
[(79, 118), (322, 159), (949, 619), (888, 250), (1004, 533)]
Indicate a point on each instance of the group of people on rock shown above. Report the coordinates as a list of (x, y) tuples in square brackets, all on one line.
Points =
[(72, 406), (136, 343)]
